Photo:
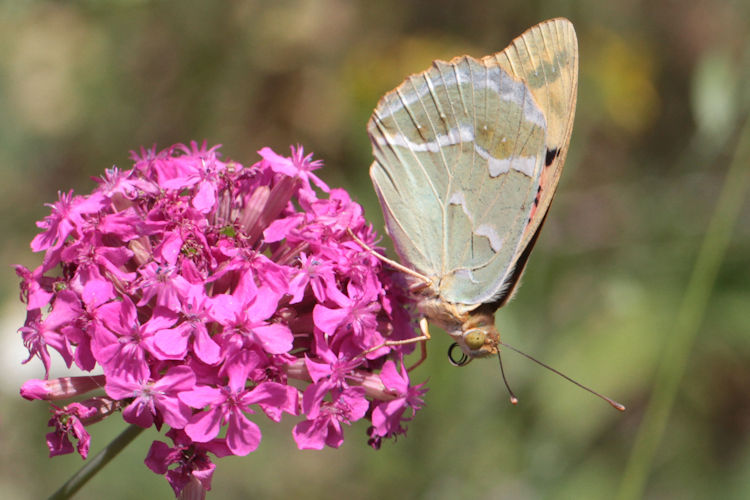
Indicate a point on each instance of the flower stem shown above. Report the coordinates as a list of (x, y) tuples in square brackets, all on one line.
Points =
[(86, 472), (688, 321)]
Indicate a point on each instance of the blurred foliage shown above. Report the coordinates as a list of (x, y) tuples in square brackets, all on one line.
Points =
[(664, 90)]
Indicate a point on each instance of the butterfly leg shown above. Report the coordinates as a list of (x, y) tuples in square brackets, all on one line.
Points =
[(422, 344), (390, 262), (422, 339)]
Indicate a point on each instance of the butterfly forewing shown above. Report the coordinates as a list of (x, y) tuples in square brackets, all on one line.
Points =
[(459, 151), (545, 57)]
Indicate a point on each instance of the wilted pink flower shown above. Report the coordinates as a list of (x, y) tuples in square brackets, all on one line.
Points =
[(186, 461), (387, 416), (200, 287), (70, 422)]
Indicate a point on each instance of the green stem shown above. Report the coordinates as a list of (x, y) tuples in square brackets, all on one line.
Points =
[(99, 461), (689, 319)]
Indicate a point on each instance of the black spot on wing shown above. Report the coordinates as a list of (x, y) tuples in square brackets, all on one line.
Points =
[(550, 156), (536, 199)]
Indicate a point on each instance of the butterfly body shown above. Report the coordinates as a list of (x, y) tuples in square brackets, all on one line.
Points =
[(467, 158)]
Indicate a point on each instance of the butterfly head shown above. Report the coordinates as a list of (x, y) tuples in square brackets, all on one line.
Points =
[(477, 338)]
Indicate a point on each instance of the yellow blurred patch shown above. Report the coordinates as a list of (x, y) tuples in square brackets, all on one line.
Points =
[(622, 73), (374, 69)]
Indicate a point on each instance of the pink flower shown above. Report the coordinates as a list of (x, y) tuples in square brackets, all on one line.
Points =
[(40, 334), (317, 275), (355, 315), (244, 318), (190, 459), (298, 165), (208, 294), (323, 426), (67, 424), (174, 343), (68, 215), (122, 344), (35, 290), (154, 401), (228, 405), (164, 284), (388, 415)]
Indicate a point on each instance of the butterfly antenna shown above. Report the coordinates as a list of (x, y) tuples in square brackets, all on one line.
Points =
[(513, 398), (612, 402)]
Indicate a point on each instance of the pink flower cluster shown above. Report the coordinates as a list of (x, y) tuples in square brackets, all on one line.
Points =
[(207, 292)]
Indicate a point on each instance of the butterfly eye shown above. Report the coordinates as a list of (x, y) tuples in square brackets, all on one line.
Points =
[(475, 338)]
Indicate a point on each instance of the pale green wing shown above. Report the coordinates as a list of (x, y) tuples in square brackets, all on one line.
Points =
[(459, 151)]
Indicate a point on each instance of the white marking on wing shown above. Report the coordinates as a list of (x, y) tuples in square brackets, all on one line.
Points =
[(458, 198), (488, 231), (454, 136), (497, 166)]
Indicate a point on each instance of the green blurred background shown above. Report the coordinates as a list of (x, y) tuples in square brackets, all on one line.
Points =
[(664, 91)]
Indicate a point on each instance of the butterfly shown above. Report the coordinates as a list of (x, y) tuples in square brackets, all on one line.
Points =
[(468, 154), (467, 158)]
